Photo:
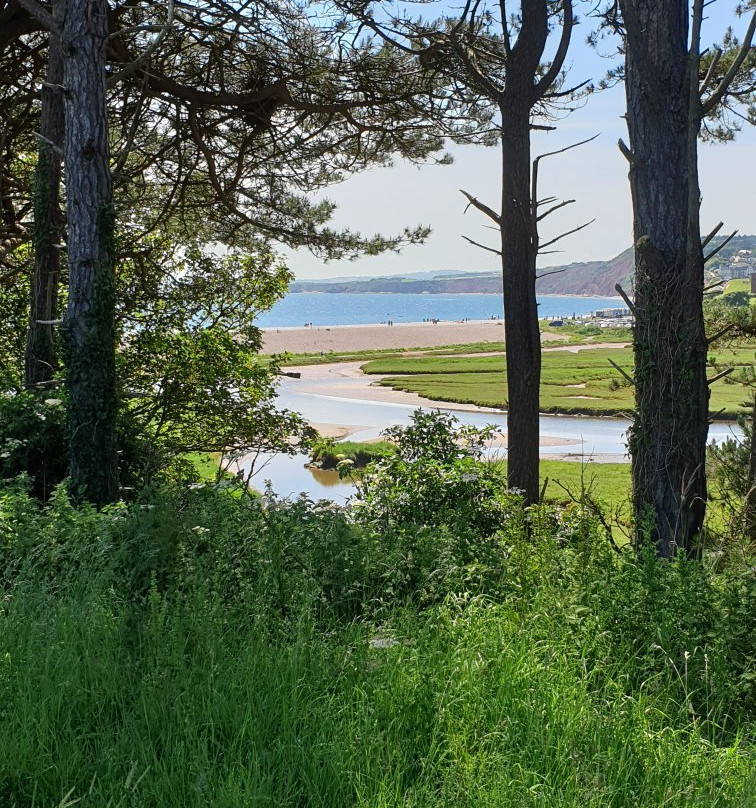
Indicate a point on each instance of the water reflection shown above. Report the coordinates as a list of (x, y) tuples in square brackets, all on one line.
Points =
[(328, 478)]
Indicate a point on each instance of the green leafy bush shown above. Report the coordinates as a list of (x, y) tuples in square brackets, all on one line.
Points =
[(33, 439), (436, 477), (194, 643)]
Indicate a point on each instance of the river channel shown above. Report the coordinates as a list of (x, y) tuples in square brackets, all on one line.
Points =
[(340, 396)]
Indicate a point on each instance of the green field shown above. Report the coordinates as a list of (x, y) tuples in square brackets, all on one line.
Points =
[(325, 358), (572, 384), (738, 285)]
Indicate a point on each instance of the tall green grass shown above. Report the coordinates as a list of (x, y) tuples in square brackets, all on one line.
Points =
[(199, 650)]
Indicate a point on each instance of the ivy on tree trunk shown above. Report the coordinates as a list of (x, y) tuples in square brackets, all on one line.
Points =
[(89, 323), (668, 437)]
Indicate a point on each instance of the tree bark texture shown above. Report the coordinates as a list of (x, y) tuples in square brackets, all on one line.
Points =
[(40, 357), (89, 329), (750, 496), (521, 331), (519, 249), (668, 437)]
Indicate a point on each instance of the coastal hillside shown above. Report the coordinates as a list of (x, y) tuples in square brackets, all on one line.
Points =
[(593, 278), (596, 278)]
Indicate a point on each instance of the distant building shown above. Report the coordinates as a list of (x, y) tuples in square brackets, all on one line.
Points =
[(612, 313), (753, 283), (735, 271)]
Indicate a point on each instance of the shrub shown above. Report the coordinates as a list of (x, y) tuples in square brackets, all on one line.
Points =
[(33, 439)]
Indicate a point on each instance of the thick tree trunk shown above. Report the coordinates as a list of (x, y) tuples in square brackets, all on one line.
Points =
[(89, 320), (668, 437), (750, 496), (522, 335), (40, 357)]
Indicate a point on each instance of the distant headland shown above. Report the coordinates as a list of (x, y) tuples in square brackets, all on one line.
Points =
[(592, 278)]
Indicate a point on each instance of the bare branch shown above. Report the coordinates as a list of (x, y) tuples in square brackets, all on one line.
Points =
[(534, 190), (482, 246), (627, 376), (566, 233), (713, 416), (490, 212), (570, 91), (711, 102), (710, 72), (720, 246), (57, 87), (721, 375), (48, 142), (629, 303), (550, 272), (555, 208), (719, 334), (712, 234), (626, 152), (567, 148)]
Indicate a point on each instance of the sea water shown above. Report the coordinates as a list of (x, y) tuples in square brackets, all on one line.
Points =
[(323, 309)]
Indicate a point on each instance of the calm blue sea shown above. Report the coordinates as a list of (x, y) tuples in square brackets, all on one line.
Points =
[(343, 309)]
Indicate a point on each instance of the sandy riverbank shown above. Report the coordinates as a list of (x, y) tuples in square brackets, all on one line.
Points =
[(346, 380)]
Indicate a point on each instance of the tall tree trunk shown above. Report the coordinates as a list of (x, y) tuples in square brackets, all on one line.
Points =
[(750, 496), (89, 328), (668, 437), (40, 357), (522, 334)]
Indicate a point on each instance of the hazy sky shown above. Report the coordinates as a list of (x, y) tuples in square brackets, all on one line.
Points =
[(595, 175)]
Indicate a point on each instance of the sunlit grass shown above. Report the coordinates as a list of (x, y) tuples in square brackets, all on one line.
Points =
[(193, 650), (571, 383)]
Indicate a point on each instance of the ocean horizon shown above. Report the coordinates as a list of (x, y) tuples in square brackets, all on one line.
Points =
[(326, 309)]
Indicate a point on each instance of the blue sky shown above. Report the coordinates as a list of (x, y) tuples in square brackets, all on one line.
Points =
[(595, 175)]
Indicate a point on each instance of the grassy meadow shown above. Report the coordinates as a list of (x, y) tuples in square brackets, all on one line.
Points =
[(197, 649), (571, 383)]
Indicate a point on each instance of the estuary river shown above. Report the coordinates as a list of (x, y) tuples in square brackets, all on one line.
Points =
[(580, 438)]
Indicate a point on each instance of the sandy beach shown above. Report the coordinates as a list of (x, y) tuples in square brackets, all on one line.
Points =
[(405, 336), (365, 337)]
